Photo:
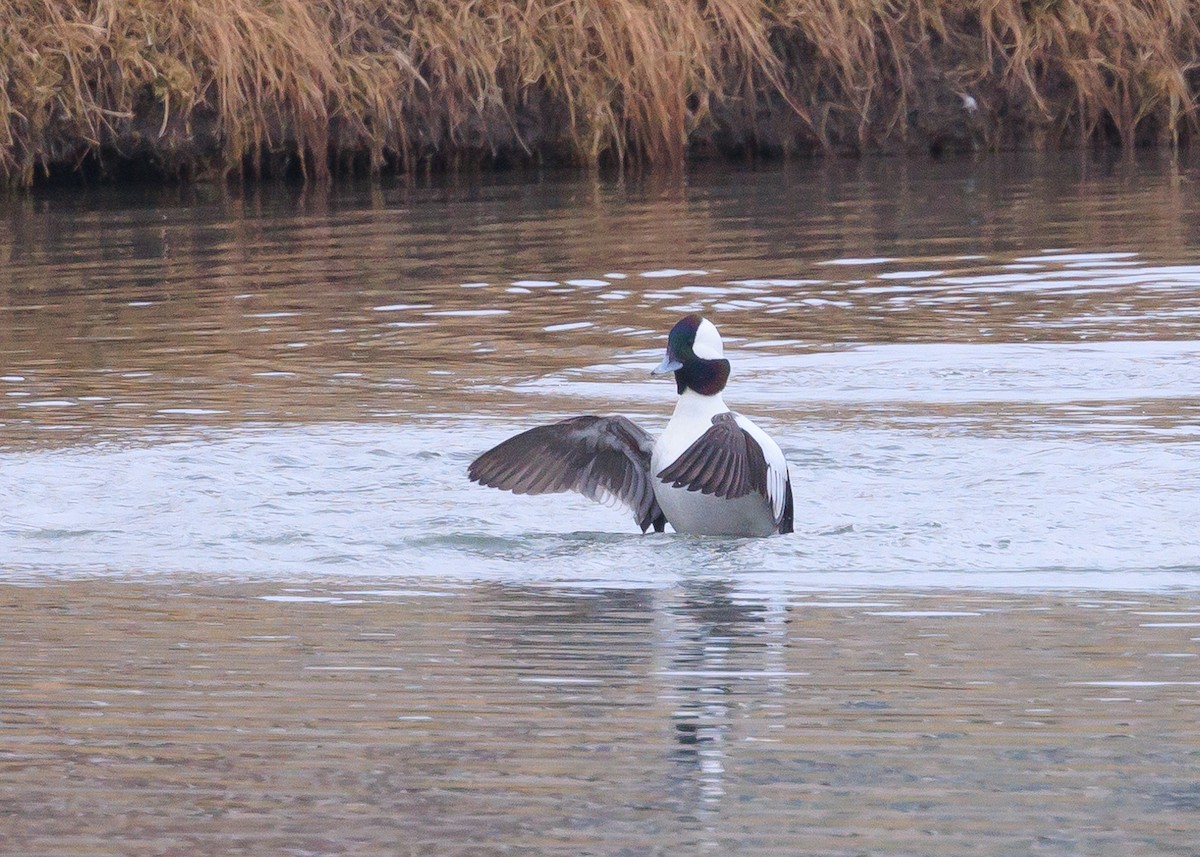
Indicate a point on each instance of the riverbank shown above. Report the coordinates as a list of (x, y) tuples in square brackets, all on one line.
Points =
[(202, 89)]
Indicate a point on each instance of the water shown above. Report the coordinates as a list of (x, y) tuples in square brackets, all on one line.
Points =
[(486, 718), (253, 606)]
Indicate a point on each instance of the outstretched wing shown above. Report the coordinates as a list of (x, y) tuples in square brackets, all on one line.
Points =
[(600, 457), (732, 459)]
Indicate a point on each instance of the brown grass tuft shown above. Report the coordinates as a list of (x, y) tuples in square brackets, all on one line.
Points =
[(220, 86)]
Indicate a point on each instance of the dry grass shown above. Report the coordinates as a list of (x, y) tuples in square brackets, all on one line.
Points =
[(221, 86)]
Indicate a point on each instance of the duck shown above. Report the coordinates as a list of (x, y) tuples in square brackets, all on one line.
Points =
[(711, 471)]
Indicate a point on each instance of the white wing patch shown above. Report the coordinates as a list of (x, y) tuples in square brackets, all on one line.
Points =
[(777, 469)]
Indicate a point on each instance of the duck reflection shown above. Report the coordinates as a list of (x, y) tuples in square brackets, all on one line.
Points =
[(714, 642), (699, 665)]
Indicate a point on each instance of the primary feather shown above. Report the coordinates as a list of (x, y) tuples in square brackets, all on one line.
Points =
[(599, 457)]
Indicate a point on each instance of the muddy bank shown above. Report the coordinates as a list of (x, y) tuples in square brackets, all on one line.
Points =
[(199, 89)]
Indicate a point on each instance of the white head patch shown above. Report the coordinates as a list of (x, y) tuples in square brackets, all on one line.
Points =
[(707, 345)]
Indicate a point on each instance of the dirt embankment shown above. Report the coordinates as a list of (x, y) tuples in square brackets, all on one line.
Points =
[(218, 88)]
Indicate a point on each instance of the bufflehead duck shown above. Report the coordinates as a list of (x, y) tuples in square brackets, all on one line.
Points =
[(711, 472)]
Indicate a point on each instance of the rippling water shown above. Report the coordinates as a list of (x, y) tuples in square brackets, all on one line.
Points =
[(253, 606), (704, 717)]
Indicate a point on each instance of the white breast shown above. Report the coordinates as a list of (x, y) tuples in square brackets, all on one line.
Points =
[(692, 418)]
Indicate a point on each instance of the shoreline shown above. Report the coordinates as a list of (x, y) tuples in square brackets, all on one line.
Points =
[(227, 89)]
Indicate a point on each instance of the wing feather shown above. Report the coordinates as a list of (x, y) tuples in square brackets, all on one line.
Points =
[(722, 462), (599, 457), (776, 482)]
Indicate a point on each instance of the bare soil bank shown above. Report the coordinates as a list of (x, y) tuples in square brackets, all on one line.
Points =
[(213, 88)]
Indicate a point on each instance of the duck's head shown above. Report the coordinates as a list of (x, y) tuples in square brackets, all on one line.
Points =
[(696, 355)]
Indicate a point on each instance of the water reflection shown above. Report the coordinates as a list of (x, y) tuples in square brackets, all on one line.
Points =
[(284, 718), (707, 640), (160, 311)]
